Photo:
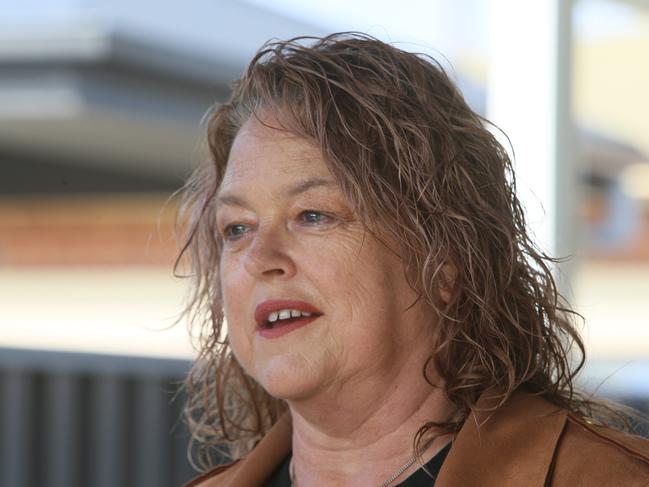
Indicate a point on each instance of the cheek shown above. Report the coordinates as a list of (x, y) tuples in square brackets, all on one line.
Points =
[(231, 286), (358, 278), (236, 301)]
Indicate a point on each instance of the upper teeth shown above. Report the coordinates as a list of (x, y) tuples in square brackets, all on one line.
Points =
[(285, 314)]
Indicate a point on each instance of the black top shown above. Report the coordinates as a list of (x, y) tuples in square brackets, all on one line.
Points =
[(420, 478)]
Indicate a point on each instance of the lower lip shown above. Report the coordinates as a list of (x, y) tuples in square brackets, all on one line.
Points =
[(279, 330)]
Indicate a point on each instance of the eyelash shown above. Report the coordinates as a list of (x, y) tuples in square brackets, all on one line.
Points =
[(227, 231)]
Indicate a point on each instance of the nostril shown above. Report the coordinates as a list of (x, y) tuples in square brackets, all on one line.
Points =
[(277, 271)]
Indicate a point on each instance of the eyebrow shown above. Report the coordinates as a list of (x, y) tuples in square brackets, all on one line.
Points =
[(298, 188)]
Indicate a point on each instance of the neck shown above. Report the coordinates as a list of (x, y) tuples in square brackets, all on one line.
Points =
[(363, 433)]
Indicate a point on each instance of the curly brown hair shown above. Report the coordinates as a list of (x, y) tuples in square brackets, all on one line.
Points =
[(414, 160)]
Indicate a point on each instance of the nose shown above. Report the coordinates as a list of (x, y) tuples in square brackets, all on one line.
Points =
[(267, 255)]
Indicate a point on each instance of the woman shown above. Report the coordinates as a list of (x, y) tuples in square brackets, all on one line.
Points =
[(389, 320)]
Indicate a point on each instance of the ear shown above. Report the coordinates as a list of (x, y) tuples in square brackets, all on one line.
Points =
[(447, 282)]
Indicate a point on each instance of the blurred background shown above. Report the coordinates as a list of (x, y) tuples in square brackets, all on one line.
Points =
[(100, 122)]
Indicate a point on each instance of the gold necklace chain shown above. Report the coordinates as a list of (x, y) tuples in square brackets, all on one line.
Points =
[(400, 471)]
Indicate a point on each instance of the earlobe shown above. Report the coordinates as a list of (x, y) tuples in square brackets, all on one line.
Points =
[(447, 282)]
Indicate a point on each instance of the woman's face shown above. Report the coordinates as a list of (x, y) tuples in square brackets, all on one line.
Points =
[(292, 243)]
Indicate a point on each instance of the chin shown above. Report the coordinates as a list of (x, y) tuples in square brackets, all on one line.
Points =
[(288, 378)]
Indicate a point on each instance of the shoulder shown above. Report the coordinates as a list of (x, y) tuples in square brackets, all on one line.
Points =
[(527, 440), (590, 454)]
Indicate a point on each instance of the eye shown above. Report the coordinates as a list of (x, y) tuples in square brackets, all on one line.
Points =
[(313, 217), (235, 231)]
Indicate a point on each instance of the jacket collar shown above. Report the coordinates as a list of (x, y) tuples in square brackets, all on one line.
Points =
[(512, 446)]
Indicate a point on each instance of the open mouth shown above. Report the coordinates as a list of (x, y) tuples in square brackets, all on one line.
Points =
[(286, 317), (277, 317), (282, 327)]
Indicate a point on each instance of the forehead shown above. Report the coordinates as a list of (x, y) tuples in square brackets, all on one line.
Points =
[(262, 151)]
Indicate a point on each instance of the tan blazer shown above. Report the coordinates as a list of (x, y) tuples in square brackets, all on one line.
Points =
[(528, 442)]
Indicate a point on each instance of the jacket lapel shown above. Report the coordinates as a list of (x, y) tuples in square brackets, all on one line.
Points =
[(514, 447)]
